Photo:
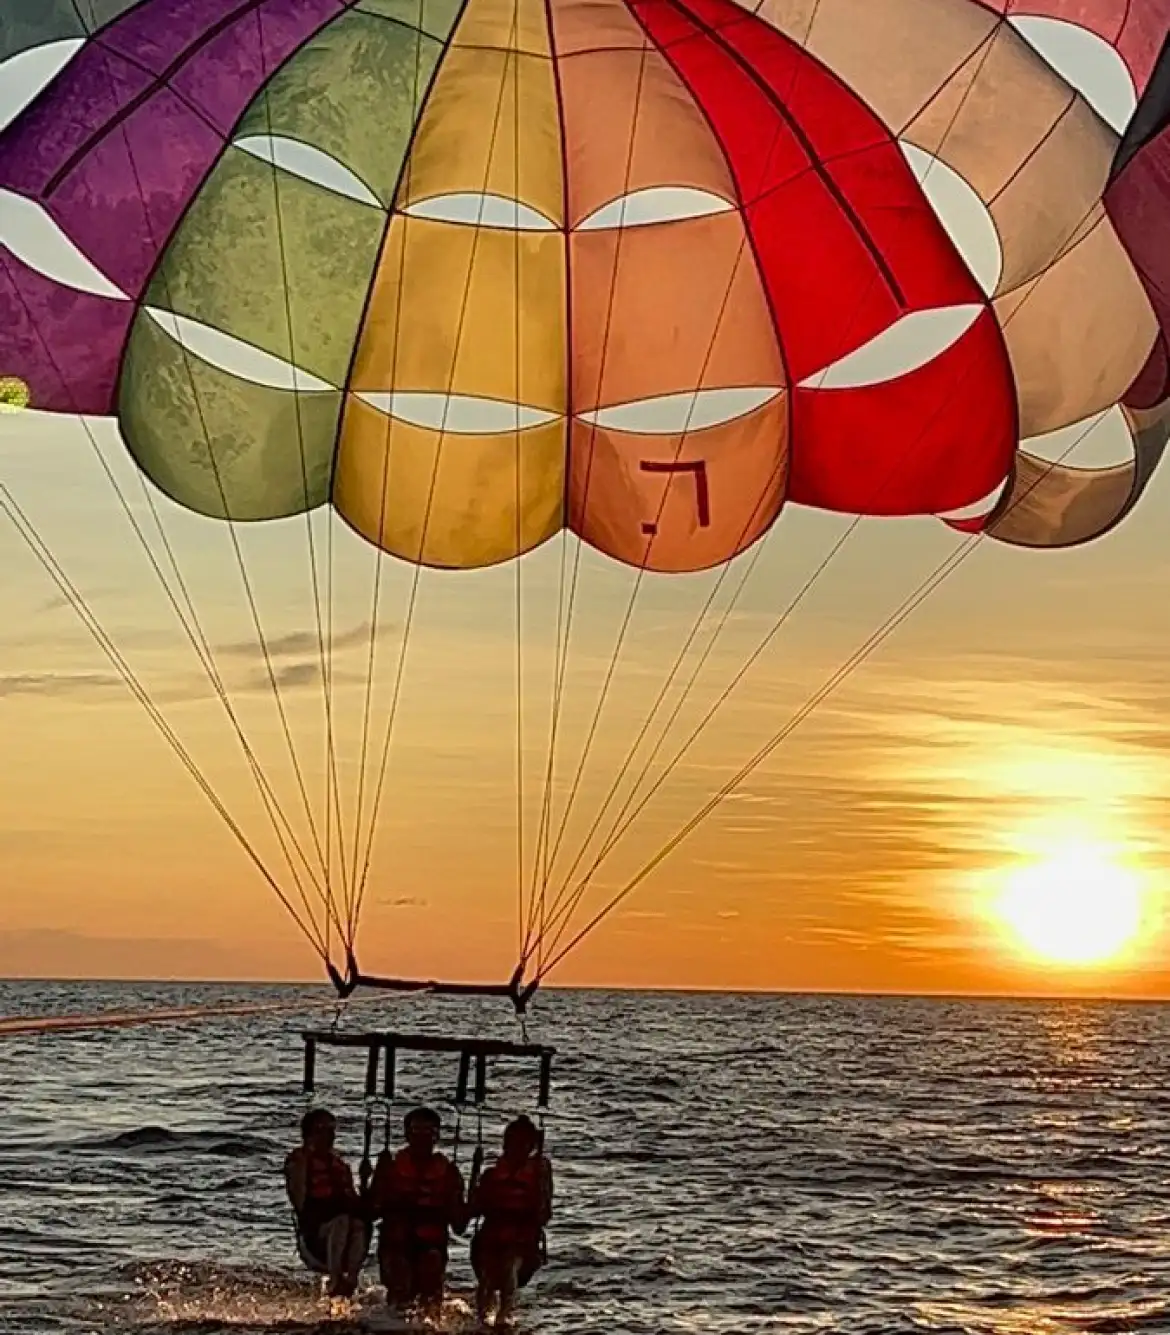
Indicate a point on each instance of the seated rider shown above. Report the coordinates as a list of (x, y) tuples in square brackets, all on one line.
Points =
[(514, 1201), (329, 1216), (418, 1195)]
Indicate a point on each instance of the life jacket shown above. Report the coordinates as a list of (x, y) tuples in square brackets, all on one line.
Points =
[(325, 1178), (423, 1195), (514, 1200)]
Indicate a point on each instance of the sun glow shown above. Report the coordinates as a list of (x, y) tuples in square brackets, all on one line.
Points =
[(1079, 906)]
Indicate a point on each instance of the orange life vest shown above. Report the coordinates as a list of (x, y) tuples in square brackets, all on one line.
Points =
[(423, 1193), (325, 1177), (514, 1199)]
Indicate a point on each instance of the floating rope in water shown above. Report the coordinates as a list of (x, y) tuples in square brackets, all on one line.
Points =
[(11, 1026)]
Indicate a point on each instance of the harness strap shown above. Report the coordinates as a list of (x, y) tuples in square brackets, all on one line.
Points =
[(366, 1168)]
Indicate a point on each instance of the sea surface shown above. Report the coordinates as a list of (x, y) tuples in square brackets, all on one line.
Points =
[(724, 1163)]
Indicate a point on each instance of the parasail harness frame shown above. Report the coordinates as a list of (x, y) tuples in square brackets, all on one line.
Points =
[(383, 1047), (381, 1086)]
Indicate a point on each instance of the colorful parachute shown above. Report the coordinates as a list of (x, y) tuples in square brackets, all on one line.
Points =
[(475, 271), (647, 268)]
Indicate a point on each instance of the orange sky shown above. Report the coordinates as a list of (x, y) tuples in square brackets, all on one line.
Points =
[(1027, 695)]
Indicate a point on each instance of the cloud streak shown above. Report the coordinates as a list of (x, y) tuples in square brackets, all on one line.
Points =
[(58, 683), (301, 643)]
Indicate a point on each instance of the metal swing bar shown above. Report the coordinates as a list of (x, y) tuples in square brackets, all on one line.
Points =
[(516, 990), (382, 1049)]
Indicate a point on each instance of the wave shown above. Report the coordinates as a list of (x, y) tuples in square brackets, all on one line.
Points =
[(159, 1139)]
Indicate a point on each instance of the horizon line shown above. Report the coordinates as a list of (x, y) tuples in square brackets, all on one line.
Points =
[(674, 990)]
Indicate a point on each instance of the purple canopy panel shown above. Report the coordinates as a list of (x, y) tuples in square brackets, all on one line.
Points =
[(116, 147), (239, 46), (165, 34), (1138, 202), (48, 332)]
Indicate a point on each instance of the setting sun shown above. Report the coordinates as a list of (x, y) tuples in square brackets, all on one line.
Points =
[(1077, 907)]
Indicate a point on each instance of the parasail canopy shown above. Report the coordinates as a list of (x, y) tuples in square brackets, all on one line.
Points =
[(640, 273)]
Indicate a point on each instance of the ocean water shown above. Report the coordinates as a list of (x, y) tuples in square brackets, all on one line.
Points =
[(724, 1164)]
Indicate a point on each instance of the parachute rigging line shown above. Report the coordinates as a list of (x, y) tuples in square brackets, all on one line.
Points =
[(42, 1025), (536, 906), (610, 794), (562, 666), (605, 346), (355, 896), (161, 274), (331, 914), (459, 328), (932, 582), (620, 828), (744, 242), (536, 903), (202, 648), (730, 607), (528, 941), (416, 575), (28, 534), (559, 909), (632, 601), (563, 911), (837, 679), (516, 336), (332, 793), (193, 630)]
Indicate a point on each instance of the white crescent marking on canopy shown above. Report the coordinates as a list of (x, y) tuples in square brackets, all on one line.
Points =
[(31, 234), (909, 343), (462, 414), (481, 210), (655, 204), (233, 355), (670, 414), (1086, 62), (1101, 441), (980, 508), (964, 215), (28, 73), (310, 164)]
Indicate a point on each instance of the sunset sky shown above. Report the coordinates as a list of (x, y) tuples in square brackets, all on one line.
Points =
[(1020, 715), (1022, 706)]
